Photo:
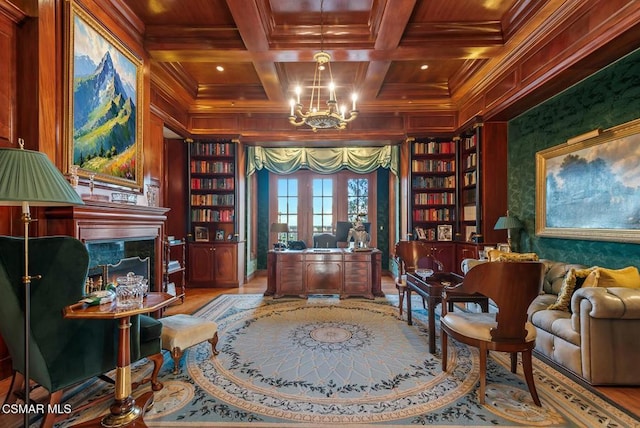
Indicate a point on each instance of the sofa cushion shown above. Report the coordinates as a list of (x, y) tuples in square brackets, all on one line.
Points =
[(628, 277), (573, 280)]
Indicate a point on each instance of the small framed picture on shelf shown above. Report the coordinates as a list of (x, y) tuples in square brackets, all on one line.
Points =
[(445, 232), (219, 235), (201, 234), (505, 248), (230, 237), (420, 233)]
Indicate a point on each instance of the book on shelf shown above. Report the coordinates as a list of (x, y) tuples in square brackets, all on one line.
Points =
[(469, 213), (171, 288), (173, 265)]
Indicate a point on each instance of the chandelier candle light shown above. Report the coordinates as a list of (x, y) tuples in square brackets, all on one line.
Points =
[(315, 116)]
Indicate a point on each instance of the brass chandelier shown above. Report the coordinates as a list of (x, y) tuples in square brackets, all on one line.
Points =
[(319, 115)]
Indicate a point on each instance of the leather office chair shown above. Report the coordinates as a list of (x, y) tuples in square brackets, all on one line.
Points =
[(63, 352), (512, 286), (325, 240)]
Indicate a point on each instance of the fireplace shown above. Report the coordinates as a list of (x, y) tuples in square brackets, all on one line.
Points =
[(114, 231)]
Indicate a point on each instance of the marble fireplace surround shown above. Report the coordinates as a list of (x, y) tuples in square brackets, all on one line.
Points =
[(98, 221)]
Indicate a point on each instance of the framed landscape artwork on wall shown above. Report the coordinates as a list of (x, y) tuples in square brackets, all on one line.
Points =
[(104, 94), (590, 189)]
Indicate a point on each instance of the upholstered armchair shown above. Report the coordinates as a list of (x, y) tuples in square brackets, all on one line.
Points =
[(63, 352)]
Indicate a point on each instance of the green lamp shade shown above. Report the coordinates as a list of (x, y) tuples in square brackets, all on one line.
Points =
[(508, 223), (279, 227), (28, 176)]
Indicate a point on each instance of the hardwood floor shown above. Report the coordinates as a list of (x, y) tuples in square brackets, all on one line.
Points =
[(627, 397)]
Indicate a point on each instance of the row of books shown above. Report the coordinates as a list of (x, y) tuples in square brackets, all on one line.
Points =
[(212, 149), (434, 214), (224, 199), (469, 178), (469, 143), (433, 165), (212, 183), (437, 182), (434, 147), (206, 166), (211, 215), (471, 160), (444, 198)]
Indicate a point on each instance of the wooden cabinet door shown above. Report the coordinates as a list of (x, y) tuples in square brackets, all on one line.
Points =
[(226, 265), (323, 273), (201, 265), (445, 252)]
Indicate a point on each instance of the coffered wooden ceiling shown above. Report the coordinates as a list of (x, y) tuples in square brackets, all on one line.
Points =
[(493, 58)]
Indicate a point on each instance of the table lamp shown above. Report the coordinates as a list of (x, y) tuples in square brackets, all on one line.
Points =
[(30, 178), (279, 228), (507, 222)]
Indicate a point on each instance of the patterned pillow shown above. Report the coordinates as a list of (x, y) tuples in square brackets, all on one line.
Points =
[(574, 279)]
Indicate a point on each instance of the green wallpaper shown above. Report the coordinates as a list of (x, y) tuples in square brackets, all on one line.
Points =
[(608, 98)]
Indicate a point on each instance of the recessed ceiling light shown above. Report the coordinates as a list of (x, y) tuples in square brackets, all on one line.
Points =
[(424, 67), (220, 68)]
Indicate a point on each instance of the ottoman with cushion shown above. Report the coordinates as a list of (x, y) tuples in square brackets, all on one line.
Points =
[(182, 331)]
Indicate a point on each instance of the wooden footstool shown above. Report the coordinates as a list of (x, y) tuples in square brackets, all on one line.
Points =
[(180, 332)]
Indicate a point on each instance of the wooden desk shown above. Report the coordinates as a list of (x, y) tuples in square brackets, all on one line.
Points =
[(324, 271), (431, 289), (124, 411)]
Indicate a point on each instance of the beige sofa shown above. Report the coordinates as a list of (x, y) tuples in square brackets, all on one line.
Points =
[(599, 339)]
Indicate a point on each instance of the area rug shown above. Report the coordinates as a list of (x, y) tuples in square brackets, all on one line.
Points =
[(325, 361)]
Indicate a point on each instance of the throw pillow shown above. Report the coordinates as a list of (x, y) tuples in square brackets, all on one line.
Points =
[(573, 280), (628, 277)]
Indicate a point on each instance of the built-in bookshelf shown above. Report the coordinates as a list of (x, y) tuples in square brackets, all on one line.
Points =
[(433, 187), (469, 183), (212, 190)]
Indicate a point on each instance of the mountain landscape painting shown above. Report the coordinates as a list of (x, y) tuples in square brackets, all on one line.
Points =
[(104, 99)]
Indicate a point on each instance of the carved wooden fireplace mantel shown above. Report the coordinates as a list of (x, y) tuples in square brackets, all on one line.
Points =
[(106, 221)]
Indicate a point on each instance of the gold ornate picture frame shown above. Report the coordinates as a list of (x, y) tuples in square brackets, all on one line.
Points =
[(589, 187), (103, 104)]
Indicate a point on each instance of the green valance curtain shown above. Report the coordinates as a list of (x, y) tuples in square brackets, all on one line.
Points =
[(322, 160)]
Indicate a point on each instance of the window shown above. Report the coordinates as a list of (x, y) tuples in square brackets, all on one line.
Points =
[(357, 199), (312, 203), (288, 205), (322, 203)]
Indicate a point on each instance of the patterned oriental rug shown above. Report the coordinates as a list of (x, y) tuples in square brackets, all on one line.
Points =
[(330, 362)]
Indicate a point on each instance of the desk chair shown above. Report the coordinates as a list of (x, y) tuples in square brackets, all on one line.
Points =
[(325, 240)]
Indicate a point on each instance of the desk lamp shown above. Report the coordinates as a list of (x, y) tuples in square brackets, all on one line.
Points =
[(507, 222), (30, 178), (279, 228)]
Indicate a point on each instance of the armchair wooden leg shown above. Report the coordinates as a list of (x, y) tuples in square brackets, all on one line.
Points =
[(49, 418), (17, 382), (527, 367), (443, 349), (157, 360), (400, 299), (514, 362), (214, 343), (483, 372)]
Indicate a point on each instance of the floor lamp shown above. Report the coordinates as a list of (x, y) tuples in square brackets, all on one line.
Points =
[(29, 178)]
